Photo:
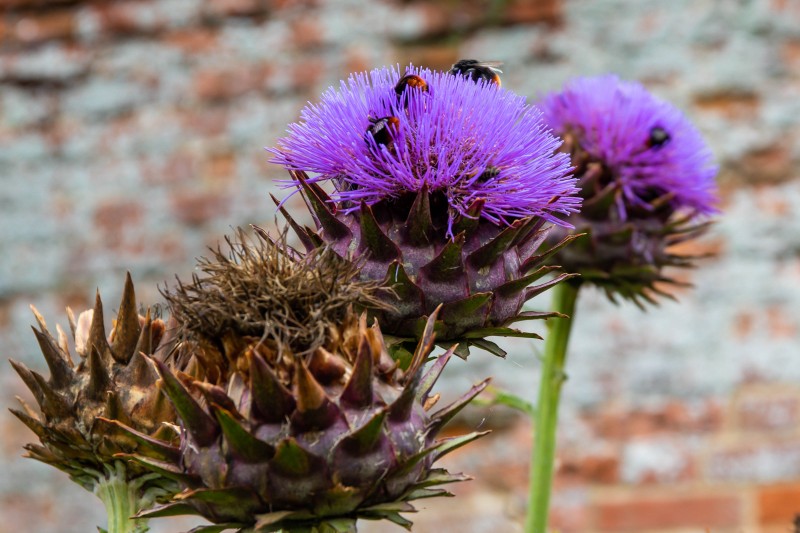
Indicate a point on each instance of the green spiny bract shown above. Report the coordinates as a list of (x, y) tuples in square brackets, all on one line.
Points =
[(482, 275), (113, 382), (624, 257), (292, 436)]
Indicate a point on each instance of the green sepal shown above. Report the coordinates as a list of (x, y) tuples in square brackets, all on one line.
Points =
[(216, 528), (304, 234), (420, 494), (537, 259), (373, 239), (292, 459), (532, 292), (439, 476), (333, 227), (500, 332), (358, 390), (501, 397), (444, 415), (363, 439), (419, 223), (491, 251), (166, 469), (241, 441), (517, 285), (489, 346), (171, 453), (167, 510), (448, 265), (470, 307), (61, 371), (468, 221), (196, 421), (448, 445), (233, 497)]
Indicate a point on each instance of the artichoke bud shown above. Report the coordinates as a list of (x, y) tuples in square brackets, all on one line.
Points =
[(95, 385), (307, 423)]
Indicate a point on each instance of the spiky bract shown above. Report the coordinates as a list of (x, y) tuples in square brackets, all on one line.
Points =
[(647, 179), (482, 276), (112, 382), (292, 438)]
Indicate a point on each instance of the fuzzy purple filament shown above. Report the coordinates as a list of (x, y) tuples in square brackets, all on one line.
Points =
[(445, 139), (614, 120)]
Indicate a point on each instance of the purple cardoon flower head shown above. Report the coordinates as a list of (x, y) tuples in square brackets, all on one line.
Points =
[(465, 139), (648, 145), (646, 178)]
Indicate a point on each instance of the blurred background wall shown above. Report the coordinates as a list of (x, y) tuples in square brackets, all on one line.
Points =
[(132, 135)]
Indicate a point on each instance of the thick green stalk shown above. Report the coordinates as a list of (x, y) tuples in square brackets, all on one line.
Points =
[(546, 420), (123, 499)]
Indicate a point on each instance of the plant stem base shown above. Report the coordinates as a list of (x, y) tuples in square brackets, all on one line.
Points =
[(123, 499), (546, 421)]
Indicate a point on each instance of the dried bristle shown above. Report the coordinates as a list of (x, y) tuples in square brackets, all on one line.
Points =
[(263, 287)]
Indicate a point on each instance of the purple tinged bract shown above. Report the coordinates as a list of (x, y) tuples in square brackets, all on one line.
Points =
[(465, 139), (649, 145)]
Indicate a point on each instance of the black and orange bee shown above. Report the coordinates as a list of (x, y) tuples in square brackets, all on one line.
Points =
[(409, 81), (658, 137), (383, 129), (413, 81), (478, 70)]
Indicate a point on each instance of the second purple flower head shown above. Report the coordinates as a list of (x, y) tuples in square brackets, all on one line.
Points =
[(646, 176)]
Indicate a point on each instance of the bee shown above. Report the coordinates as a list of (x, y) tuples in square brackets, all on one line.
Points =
[(488, 174), (383, 129), (478, 70), (658, 137), (410, 80)]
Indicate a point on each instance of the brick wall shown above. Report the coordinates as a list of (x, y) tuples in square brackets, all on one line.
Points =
[(131, 137)]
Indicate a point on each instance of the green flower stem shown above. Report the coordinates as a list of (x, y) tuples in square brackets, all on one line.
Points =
[(546, 420), (123, 499)]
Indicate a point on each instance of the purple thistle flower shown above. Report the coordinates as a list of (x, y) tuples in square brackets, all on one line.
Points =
[(647, 144), (465, 139)]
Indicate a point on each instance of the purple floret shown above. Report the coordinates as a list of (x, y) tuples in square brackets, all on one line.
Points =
[(465, 139), (649, 145)]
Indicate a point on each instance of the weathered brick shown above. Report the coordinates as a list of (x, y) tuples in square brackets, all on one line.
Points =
[(115, 217), (755, 462), (771, 164), (53, 63), (589, 466), (228, 8), (640, 513), (192, 40), (659, 460), (768, 407), (46, 25), (195, 208), (526, 12), (226, 83), (570, 510), (778, 504), (732, 105)]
